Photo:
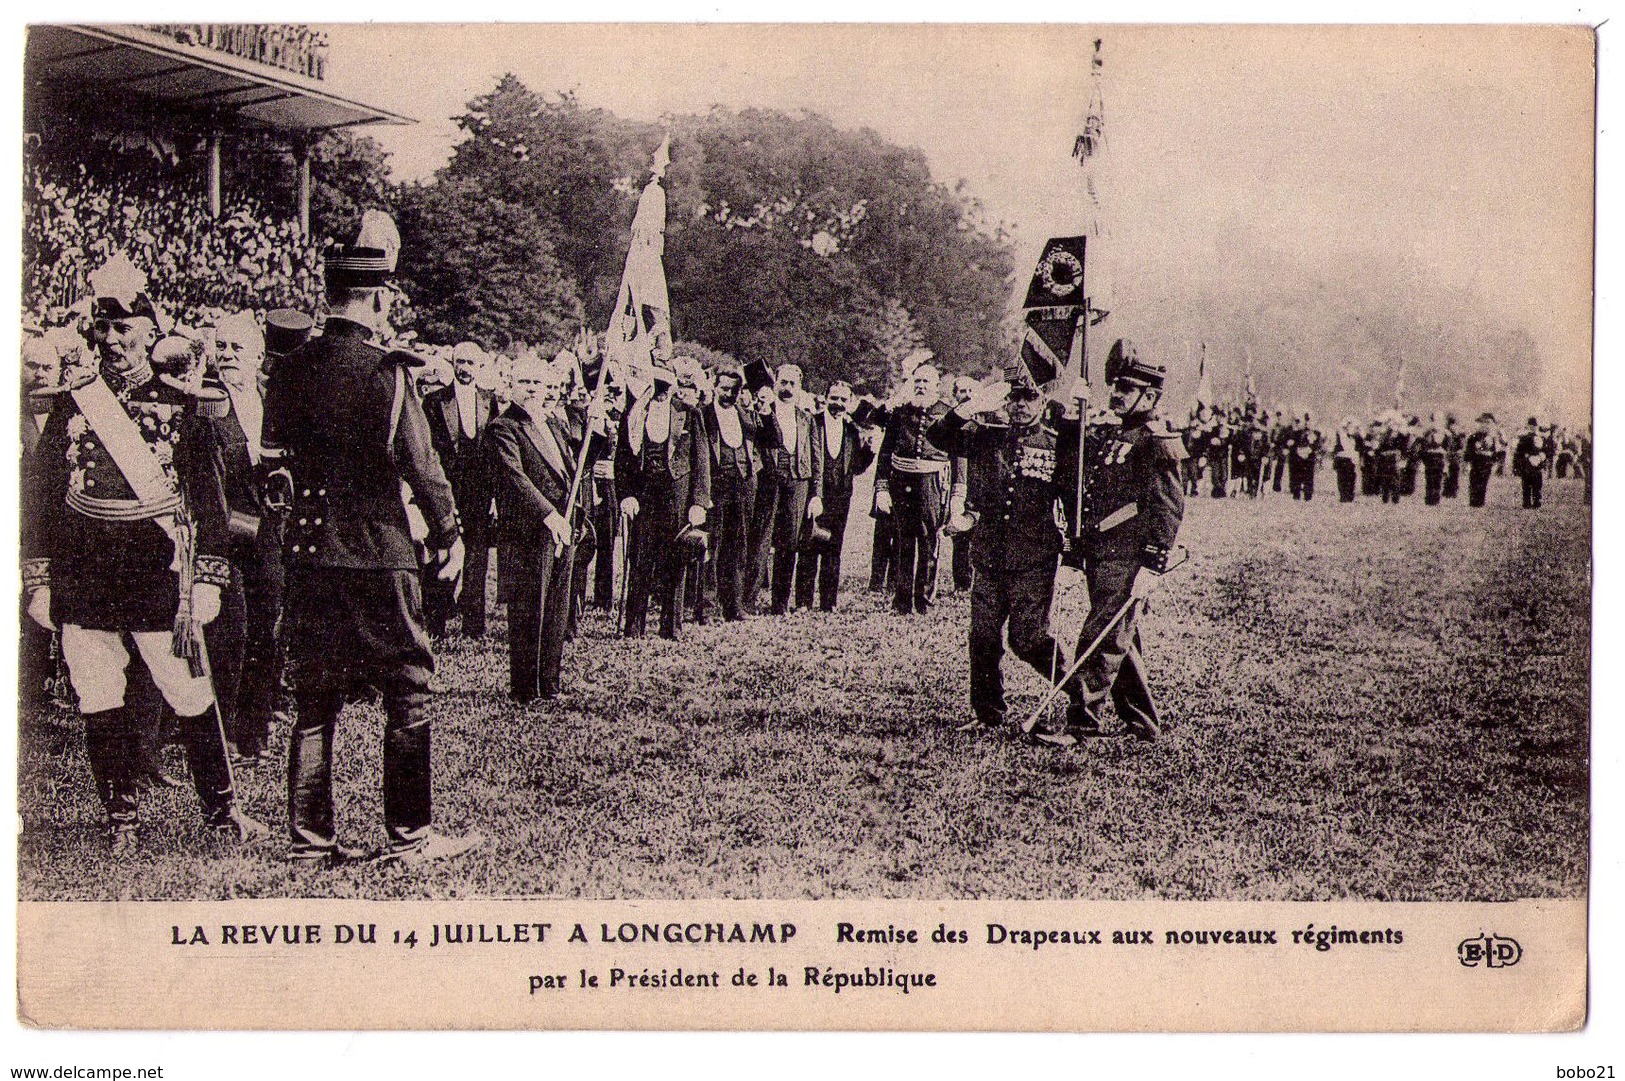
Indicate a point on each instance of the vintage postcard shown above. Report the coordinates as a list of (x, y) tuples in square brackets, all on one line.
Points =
[(924, 527)]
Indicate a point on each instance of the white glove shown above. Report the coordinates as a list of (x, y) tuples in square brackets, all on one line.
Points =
[(39, 607), (696, 516), (815, 507), (560, 529), (985, 399), (956, 507), (882, 502), (451, 561), (205, 602), (1144, 582), (629, 507)]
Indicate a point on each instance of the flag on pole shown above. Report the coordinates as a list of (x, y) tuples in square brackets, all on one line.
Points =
[(642, 317), (1204, 385), (1248, 388), (1399, 385), (1051, 343)]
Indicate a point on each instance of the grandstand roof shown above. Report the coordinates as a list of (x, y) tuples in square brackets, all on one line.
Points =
[(190, 78)]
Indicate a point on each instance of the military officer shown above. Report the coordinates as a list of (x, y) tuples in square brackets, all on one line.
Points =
[(1529, 463), (1011, 487), (1484, 451), (1303, 458), (1133, 506), (1454, 441), (125, 543), (1432, 451), (909, 486), (346, 439), (959, 541), (1216, 448)]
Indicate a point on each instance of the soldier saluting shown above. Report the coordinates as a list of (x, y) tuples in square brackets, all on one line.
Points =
[(344, 432), (126, 543), (1133, 506), (1012, 486)]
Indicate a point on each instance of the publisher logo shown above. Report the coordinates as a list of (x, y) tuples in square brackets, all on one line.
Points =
[(1489, 951)]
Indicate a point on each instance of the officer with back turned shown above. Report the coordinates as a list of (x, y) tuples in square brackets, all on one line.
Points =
[(343, 433)]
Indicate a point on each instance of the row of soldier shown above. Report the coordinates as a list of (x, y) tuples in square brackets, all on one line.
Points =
[(1246, 450)]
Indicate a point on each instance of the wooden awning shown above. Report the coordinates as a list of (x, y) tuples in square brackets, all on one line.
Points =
[(186, 78)]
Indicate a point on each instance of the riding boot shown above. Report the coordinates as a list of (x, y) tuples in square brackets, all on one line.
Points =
[(107, 746), (204, 738)]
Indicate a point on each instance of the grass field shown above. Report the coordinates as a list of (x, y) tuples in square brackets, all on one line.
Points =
[(1364, 702)]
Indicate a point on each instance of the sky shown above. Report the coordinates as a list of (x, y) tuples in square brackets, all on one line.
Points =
[(1450, 160)]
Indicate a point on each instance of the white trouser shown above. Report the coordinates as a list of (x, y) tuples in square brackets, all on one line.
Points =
[(96, 663)]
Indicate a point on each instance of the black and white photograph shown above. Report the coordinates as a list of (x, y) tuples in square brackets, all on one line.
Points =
[(688, 464)]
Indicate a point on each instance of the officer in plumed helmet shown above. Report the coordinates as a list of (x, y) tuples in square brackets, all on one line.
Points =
[(1133, 505), (124, 548), (343, 433)]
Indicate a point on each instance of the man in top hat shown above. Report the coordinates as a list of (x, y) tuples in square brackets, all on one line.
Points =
[(458, 415), (663, 473), (1529, 460), (789, 491), (842, 453), (534, 447), (125, 543), (1012, 483), (1484, 449), (1133, 506), (735, 463), (343, 434), (911, 479)]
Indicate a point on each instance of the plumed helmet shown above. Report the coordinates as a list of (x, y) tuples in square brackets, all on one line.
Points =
[(1123, 363)]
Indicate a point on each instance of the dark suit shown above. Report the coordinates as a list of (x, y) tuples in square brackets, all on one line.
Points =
[(734, 473), (842, 457), (531, 463), (463, 458), (791, 475), (667, 479), (34, 661)]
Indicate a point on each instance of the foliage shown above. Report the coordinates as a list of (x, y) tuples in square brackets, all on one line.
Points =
[(482, 268)]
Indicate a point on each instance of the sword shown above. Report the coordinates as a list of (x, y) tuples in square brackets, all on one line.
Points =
[(1031, 722)]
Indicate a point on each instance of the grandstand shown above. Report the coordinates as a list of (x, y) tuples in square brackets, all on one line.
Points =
[(124, 130)]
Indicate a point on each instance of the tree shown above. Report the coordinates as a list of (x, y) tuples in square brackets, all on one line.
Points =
[(479, 267), (349, 174)]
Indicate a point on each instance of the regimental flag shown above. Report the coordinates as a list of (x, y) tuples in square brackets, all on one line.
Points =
[(1248, 388), (1399, 386), (1052, 339), (642, 317)]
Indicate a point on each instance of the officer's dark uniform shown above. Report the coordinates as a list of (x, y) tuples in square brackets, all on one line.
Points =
[(463, 458), (341, 415), (1432, 453), (1529, 462), (1483, 451), (1012, 485), (1391, 453), (111, 569), (914, 471), (1303, 458), (1133, 506), (1345, 452), (1454, 441), (790, 476), (1217, 448)]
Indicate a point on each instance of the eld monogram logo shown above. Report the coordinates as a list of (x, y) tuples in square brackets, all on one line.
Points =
[(1491, 951)]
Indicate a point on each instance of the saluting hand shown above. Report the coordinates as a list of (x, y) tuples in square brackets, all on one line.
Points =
[(985, 399)]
